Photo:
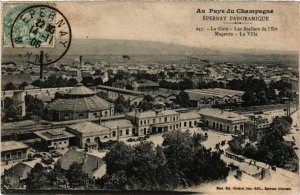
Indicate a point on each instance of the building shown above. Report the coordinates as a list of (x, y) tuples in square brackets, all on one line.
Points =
[(13, 151), (119, 128), (256, 127), (223, 120), (189, 119), (145, 85), (152, 122), (214, 96), (79, 103), (15, 176), (93, 166), (88, 135), (54, 139)]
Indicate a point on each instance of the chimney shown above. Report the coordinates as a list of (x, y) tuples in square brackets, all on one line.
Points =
[(80, 61)]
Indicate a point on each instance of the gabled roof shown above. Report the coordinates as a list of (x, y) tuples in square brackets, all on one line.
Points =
[(189, 115), (81, 90), (91, 164), (89, 127), (117, 124), (218, 113), (152, 114), (23, 168), (12, 145)]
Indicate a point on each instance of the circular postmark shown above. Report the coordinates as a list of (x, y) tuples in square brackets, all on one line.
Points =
[(44, 32)]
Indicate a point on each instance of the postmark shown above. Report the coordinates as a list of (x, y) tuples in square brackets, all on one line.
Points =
[(43, 32)]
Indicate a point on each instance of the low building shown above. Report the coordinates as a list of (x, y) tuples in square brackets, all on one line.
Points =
[(214, 96), (88, 135), (54, 139), (145, 85), (221, 120), (152, 122), (13, 151), (189, 119), (15, 176), (93, 166), (257, 127), (121, 128)]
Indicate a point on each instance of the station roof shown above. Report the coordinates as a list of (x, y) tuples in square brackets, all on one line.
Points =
[(221, 114), (54, 134)]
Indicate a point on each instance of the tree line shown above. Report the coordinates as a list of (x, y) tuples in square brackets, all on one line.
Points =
[(181, 161)]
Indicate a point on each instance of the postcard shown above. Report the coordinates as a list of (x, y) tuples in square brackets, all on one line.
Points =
[(139, 97)]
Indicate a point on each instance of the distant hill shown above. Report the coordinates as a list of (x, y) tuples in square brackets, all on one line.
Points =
[(92, 47)]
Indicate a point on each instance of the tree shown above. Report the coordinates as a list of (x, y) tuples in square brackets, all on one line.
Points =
[(88, 80), (58, 178), (281, 124), (34, 105), (249, 98), (23, 85), (37, 178), (13, 110), (122, 105), (76, 177), (72, 82), (9, 86), (183, 99), (147, 103)]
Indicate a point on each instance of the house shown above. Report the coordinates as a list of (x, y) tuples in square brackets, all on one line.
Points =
[(257, 127), (15, 176), (13, 151), (92, 165), (88, 135), (121, 128), (189, 119), (54, 139), (151, 122), (223, 120)]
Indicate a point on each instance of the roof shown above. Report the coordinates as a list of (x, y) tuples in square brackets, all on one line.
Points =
[(197, 94), (91, 165), (23, 168), (12, 145), (117, 124), (90, 103), (89, 127), (217, 113), (53, 134), (145, 83), (81, 90), (189, 115), (152, 114)]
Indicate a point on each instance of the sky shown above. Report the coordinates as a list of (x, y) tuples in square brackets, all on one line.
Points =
[(175, 22)]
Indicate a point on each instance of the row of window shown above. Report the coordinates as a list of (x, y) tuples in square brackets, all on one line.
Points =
[(8, 155), (159, 120), (114, 133), (59, 143)]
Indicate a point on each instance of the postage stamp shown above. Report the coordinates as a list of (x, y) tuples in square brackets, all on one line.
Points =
[(36, 26)]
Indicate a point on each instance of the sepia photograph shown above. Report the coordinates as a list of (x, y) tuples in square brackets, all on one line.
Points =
[(150, 97)]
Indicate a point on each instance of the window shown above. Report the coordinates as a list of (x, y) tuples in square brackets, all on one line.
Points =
[(7, 156), (19, 154), (166, 119), (148, 122), (66, 117), (154, 120), (59, 143), (177, 117), (141, 122), (127, 131), (144, 122), (55, 143), (114, 134), (174, 118), (81, 115), (121, 132), (184, 124), (65, 142), (160, 120)]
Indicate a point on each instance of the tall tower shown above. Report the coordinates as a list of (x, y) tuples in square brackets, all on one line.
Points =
[(19, 97)]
